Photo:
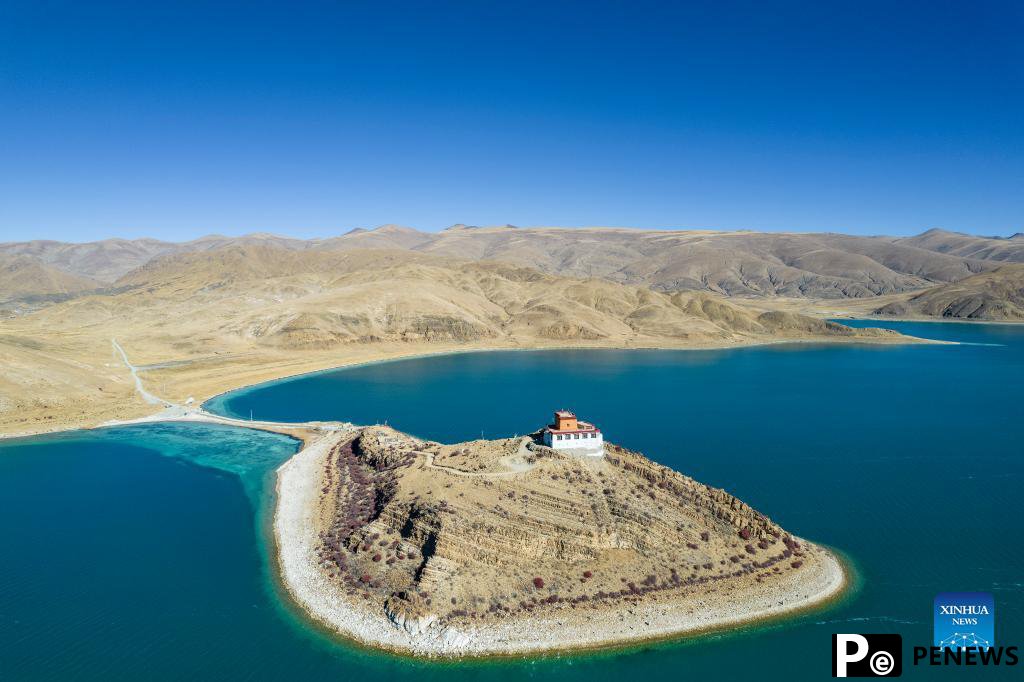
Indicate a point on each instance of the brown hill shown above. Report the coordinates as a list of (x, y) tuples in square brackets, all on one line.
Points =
[(234, 315), (24, 276), (104, 260), (970, 246), (994, 296), (322, 298), (746, 264), (107, 260), (730, 263)]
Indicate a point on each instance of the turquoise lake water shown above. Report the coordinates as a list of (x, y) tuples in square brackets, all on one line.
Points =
[(140, 552)]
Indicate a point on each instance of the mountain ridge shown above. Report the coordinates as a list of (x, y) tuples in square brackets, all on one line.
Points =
[(744, 263), (205, 322)]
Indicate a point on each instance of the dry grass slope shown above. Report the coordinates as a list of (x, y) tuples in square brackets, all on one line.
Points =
[(27, 277), (217, 319), (970, 246), (996, 296)]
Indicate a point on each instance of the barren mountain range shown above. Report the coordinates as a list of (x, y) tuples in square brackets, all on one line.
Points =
[(217, 313), (730, 263)]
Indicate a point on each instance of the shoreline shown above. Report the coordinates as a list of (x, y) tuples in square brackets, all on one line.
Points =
[(935, 320), (902, 340), (645, 623), (202, 402), (296, 506)]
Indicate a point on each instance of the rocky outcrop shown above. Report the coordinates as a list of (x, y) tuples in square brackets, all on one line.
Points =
[(440, 538), (655, 564)]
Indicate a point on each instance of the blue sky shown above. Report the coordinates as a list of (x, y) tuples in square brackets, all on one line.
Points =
[(304, 118)]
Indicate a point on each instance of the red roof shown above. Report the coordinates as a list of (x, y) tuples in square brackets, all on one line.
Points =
[(584, 427)]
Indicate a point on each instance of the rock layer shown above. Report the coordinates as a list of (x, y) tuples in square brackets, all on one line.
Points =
[(462, 549)]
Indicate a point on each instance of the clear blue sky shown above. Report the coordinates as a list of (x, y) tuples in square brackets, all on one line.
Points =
[(175, 120)]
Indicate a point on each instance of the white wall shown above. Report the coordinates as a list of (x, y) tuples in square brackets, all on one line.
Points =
[(592, 446)]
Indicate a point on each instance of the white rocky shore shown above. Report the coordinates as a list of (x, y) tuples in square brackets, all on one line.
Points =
[(295, 523)]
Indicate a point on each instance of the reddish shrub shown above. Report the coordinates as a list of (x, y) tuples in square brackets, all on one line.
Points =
[(797, 564), (745, 533), (538, 583), (588, 574), (705, 536)]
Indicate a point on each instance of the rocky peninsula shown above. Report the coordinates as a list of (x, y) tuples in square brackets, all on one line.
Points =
[(507, 547)]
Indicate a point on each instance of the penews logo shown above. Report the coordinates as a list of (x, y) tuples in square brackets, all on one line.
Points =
[(964, 620), (867, 655)]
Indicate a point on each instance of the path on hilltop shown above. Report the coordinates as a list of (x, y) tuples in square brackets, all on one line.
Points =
[(515, 463)]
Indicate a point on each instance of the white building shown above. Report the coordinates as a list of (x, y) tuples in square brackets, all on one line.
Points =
[(573, 436)]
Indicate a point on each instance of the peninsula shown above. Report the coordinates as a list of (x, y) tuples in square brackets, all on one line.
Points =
[(505, 547)]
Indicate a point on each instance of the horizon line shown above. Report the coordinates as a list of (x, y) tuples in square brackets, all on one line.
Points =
[(464, 227)]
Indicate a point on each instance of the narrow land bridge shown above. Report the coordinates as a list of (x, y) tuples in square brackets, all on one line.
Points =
[(173, 412), (304, 431)]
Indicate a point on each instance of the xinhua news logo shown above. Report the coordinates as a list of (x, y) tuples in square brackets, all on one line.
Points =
[(964, 620), (867, 655), (964, 633)]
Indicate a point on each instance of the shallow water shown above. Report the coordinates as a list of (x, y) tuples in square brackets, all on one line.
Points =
[(121, 563)]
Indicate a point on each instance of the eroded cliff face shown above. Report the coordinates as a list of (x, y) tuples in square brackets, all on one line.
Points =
[(435, 534)]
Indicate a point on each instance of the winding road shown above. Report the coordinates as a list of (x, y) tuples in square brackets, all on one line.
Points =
[(174, 412)]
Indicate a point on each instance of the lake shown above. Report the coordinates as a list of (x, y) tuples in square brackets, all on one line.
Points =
[(141, 552)]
